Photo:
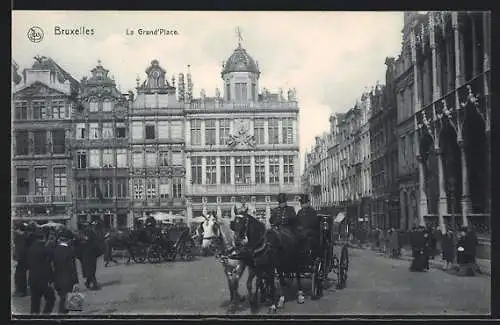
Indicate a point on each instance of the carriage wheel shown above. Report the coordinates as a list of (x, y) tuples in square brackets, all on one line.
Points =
[(343, 267), (139, 255), (153, 254), (317, 281)]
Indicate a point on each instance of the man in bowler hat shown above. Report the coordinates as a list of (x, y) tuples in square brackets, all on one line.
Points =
[(309, 224), (283, 215)]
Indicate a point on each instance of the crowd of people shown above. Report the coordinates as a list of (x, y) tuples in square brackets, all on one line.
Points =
[(46, 263)]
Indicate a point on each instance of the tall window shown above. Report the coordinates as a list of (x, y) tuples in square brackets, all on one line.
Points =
[(273, 132), (289, 170), (120, 131), (241, 91), (121, 187), (59, 141), (41, 187), (177, 187), (151, 188), (210, 132), (137, 130), (108, 188), (93, 106), (163, 130), (23, 183), (164, 158), (150, 132), (81, 159), (22, 143), (211, 171), (38, 109), (138, 158), (94, 131), (242, 173), (139, 189), (225, 170), (60, 181), (21, 110), (274, 170), (287, 131), (121, 158), (177, 159), (151, 159), (40, 142), (81, 189), (58, 110), (164, 188), (196, 170), (95, 191), (260, 170), (254, 91), (81, 131), (107, 106), (196, 132), (107, 158), (95, 161), (107, 130), (177, 129), (259, 131), (223, 131), (228, 91)]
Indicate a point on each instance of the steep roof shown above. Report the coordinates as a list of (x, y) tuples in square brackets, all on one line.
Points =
[(44, 63)]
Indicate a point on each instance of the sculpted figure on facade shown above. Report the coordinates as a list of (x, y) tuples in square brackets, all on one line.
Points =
[(241, 135)]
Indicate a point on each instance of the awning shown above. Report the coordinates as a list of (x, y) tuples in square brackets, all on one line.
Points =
[(340, 216)]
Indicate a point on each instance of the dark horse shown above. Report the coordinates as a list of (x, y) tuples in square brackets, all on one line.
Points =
[(267, 252)]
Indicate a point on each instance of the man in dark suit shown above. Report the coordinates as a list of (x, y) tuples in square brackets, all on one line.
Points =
[(89, 254), (40, 274), (20, 256), (308, 225), (65, 274), (283, 216)]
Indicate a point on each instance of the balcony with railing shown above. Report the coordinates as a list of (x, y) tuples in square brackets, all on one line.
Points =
[(42, 199), (213, 106), (225, 189)]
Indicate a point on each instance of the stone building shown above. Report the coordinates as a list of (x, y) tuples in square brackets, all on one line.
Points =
[(156, 145), (43, 100), (241, 144), (99, 144), (384, 150), (451, 58)]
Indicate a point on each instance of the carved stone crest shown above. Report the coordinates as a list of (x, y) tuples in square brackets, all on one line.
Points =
[(241, 135)]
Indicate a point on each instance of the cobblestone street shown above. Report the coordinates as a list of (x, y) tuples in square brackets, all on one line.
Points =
[(376, 285)]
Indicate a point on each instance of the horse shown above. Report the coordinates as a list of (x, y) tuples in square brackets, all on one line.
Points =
[(218, 236), (270, 252)]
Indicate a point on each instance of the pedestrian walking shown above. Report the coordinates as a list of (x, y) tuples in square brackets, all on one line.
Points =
[(65, 274), (40, 275), (448, 249), (20, 256), (108, 250)]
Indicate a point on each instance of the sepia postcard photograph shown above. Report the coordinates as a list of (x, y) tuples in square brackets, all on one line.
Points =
[(250, 163)]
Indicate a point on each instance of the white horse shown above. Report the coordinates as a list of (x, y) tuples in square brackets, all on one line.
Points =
[(218, 237)]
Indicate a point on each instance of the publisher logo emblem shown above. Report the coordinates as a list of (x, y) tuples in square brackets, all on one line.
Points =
[(35, 34)]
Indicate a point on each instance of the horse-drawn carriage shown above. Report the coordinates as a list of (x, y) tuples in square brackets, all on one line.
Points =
[(334, 255)]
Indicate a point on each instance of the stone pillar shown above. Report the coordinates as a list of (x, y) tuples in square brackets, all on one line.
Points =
[(266, 168), (115, 220), (443, 203), (187, 132), (486, 40), (281, 172), (435, 84), (466, 203), (266, 132), (473, 45), (233, 169), (416, 76), (280, 131), (252, 168), (202, 132), (204, 170), (458, 50), (217, 132), (217, 170), (189, 185)]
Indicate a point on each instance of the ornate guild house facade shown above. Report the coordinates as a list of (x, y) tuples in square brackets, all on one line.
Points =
[(157, 145), (43, 99), (100, 149), (241, 144)]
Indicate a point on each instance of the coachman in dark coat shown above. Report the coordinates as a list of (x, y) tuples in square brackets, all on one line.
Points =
[(89, 251), (283, 215), (65, 274), (309, 225), (41, 275), (20, 256)]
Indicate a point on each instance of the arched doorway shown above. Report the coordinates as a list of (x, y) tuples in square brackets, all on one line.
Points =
[(430, 173), (452, 170), (477, 153)]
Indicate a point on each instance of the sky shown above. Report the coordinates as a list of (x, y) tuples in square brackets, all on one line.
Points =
[(329, 57)]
